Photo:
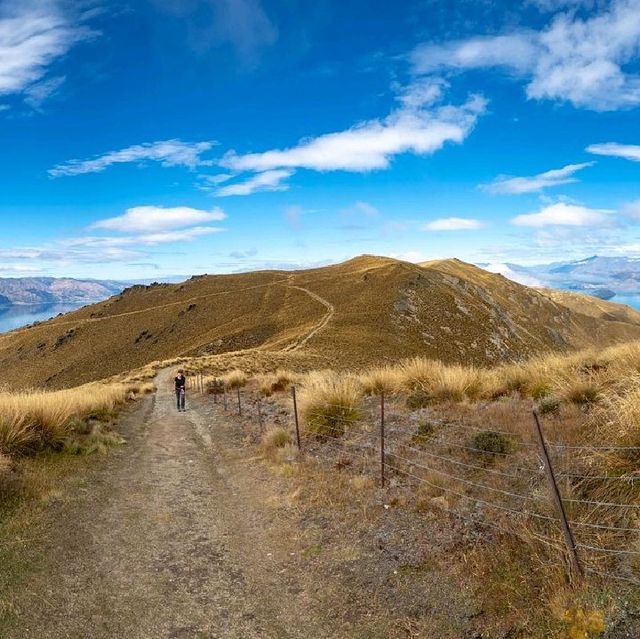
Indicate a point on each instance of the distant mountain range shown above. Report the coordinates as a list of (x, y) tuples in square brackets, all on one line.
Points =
[(603, 277), (15, 291)]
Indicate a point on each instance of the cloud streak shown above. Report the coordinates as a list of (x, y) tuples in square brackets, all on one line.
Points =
[(166, 152), (613, 149), (157, 218), (272, 180), (506, 185), (453, 224), (562, 214), (417, 126)]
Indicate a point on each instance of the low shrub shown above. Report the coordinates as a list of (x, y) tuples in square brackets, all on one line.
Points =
[(419, 398), (548, 405), (424, 433), (492, 442)]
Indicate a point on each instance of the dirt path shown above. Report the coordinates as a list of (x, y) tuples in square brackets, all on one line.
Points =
[(171, 536), (326, 318)]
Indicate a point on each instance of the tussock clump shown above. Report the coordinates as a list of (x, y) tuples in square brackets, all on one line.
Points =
[(38, 419), (281, 380), (330, 405), (417, 373), (235, 379), (441, 382), (384, 379), (456, 383), (419, 398), (581, 391), (276, 437)]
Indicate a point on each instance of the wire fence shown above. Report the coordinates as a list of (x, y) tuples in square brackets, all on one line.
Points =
[(500, 482)]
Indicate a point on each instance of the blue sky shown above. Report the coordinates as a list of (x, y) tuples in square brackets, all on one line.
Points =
[(157, 137)]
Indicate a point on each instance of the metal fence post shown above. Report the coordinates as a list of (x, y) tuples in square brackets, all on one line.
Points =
[(295, 415), (557, 498), (260, 412), (382, 439), (224, 397), (239, 402)]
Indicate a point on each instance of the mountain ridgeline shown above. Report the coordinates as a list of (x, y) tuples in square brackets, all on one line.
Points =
[(368, 310), (49, 290)]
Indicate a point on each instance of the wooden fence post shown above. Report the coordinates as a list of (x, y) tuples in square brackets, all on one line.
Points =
[(557, 498), (239, 402)]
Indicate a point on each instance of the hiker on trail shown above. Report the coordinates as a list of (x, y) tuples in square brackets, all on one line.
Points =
[(180, 382)]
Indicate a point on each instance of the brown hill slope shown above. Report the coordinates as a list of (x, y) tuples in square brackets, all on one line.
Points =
[(593, 306), (366, 310)]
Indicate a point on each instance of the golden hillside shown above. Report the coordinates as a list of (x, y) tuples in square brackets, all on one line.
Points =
[(363, 311), (593, 306)]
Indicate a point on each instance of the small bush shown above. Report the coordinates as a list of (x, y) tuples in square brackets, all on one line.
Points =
[(419, 398), (424, 433), (489, 441), (548, 405)]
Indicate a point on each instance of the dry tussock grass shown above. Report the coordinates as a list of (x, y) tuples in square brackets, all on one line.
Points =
[(235, 379), (330, 404), (37, 419)]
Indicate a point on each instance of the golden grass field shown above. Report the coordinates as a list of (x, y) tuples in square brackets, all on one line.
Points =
[(459, 353), (382, 311)]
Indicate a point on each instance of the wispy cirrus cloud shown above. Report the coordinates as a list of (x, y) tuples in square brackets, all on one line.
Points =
[(157, 218), (167, 153), (589, 62), (505, 184), (244, 24), (613, 149), (563, 214), (453, 224), (271, 180), (34, 34)]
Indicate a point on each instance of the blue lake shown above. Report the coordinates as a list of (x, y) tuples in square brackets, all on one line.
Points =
[(17, 316), (630, 299)]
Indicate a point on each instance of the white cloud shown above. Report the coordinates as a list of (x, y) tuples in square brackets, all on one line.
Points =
[(146, 239), (517, 185), (562, 214), (626, 151), (157, 218), (167, 153), (587, 62), (453, 224), (415, 127), (33, 35), (271, 180)]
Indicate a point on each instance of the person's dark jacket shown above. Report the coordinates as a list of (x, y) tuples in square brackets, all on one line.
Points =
[(180, 382)]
